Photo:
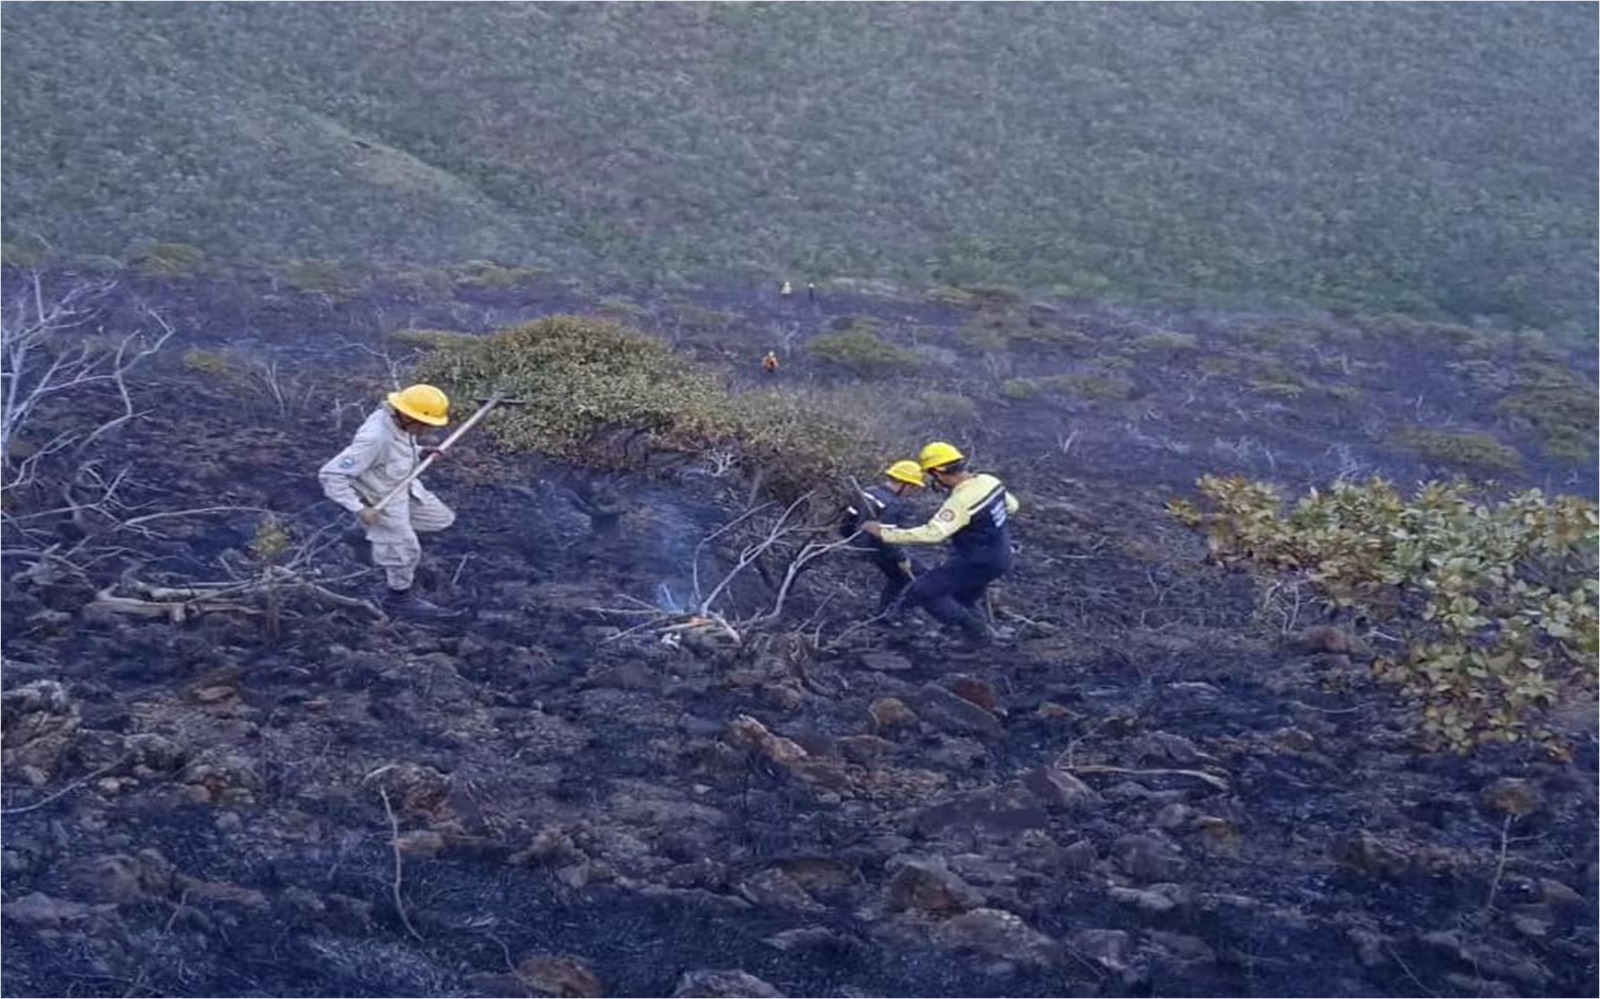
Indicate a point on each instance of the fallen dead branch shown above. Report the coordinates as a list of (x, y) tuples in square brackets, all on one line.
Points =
[(399, 866), (73, 786), (182, 603), (1200, 775)]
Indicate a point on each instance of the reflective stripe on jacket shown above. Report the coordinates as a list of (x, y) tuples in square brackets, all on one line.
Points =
[(973, 519)]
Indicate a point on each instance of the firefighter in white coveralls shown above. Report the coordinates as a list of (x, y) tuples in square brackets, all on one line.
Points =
[(383, 453)]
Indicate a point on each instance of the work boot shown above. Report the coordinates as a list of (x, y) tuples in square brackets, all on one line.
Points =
[(406, 603)]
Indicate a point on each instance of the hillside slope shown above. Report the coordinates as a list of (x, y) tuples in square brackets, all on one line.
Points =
[(1435, 159)]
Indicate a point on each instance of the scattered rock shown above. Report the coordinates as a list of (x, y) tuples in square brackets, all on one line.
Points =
[(1148, 858), (40, 910), (1059, 789), (1155, 899), (1512, 796), (1108, 948), (38, 722), (809, 938), (774, 889), (928, 886), (1008, 812), (1183, 947), (420, 843), (1322, 638), (977, 691), (1533, 920), (997, 933), (724, 985), (1165, 747), (865, 749), (1559, 895), (551, 975), (1294, 740), (746, 732), (890, 713), (1364, 852), (885, 662), (945, 710)]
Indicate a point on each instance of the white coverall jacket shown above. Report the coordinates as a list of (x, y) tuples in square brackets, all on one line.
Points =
[(379, 457)]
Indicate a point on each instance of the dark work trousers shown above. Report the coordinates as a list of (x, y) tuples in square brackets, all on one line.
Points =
[(951, 593), (896, 578)]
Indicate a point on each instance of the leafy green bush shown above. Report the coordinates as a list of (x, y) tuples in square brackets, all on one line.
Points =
[(169, 260), (1556, 404), (1493, 604), (212, 363), (1166, 343), (1103, 388), (609, 396), (862, 352), (1474, 453), (333, 278), (1020, 388)]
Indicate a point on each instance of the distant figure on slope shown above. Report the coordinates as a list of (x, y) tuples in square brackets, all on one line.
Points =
[(973, 519), (811, 292), (383, 453), (786, 290), (770, 364), (888, 504)]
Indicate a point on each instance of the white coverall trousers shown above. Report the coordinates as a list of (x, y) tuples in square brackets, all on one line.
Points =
[(395, 547)]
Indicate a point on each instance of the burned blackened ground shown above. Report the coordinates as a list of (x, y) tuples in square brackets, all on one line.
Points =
[(1146, 791)]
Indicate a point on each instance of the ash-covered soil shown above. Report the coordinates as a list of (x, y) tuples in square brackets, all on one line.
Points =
[(1144, 791)]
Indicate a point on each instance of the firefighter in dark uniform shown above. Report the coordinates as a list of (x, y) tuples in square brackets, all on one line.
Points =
[(888, 504), (973, 519)]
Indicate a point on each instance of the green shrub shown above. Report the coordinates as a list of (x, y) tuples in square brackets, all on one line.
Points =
[(333, 278), (609, 396), (488, 274), (1491, 606), (211, 362), (1555, 404), (432, 338), (1020, 388), (1475, 453), (942, 408), (1101, 388), (1166, 343), (1286, 391), (169, 260), (946, 295), (862, 352)]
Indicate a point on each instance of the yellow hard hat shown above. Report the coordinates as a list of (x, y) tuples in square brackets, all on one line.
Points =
[(906, 471), (939, 454), (422, 403)]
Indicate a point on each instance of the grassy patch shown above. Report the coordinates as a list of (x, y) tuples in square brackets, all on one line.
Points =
[(1557, 406), (862, 352), (1474, 453), (625, 396)]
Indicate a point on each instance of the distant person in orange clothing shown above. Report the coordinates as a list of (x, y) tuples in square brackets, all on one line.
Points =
[(770, 364)]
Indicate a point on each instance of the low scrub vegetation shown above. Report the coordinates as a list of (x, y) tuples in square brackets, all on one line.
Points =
[(862, 352), (1477, 454), (1488, 608), (606, 395)]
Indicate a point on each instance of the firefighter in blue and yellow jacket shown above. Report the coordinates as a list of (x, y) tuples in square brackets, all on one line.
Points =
[(973, 519), (887, 504)]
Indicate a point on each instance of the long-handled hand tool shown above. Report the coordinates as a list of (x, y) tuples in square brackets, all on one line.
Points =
[(422, 466)]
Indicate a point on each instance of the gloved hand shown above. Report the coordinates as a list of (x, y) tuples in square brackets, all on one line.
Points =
[(436, 453)]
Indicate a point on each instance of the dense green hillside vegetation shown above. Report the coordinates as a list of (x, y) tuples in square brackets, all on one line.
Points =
[(1433, 159)]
